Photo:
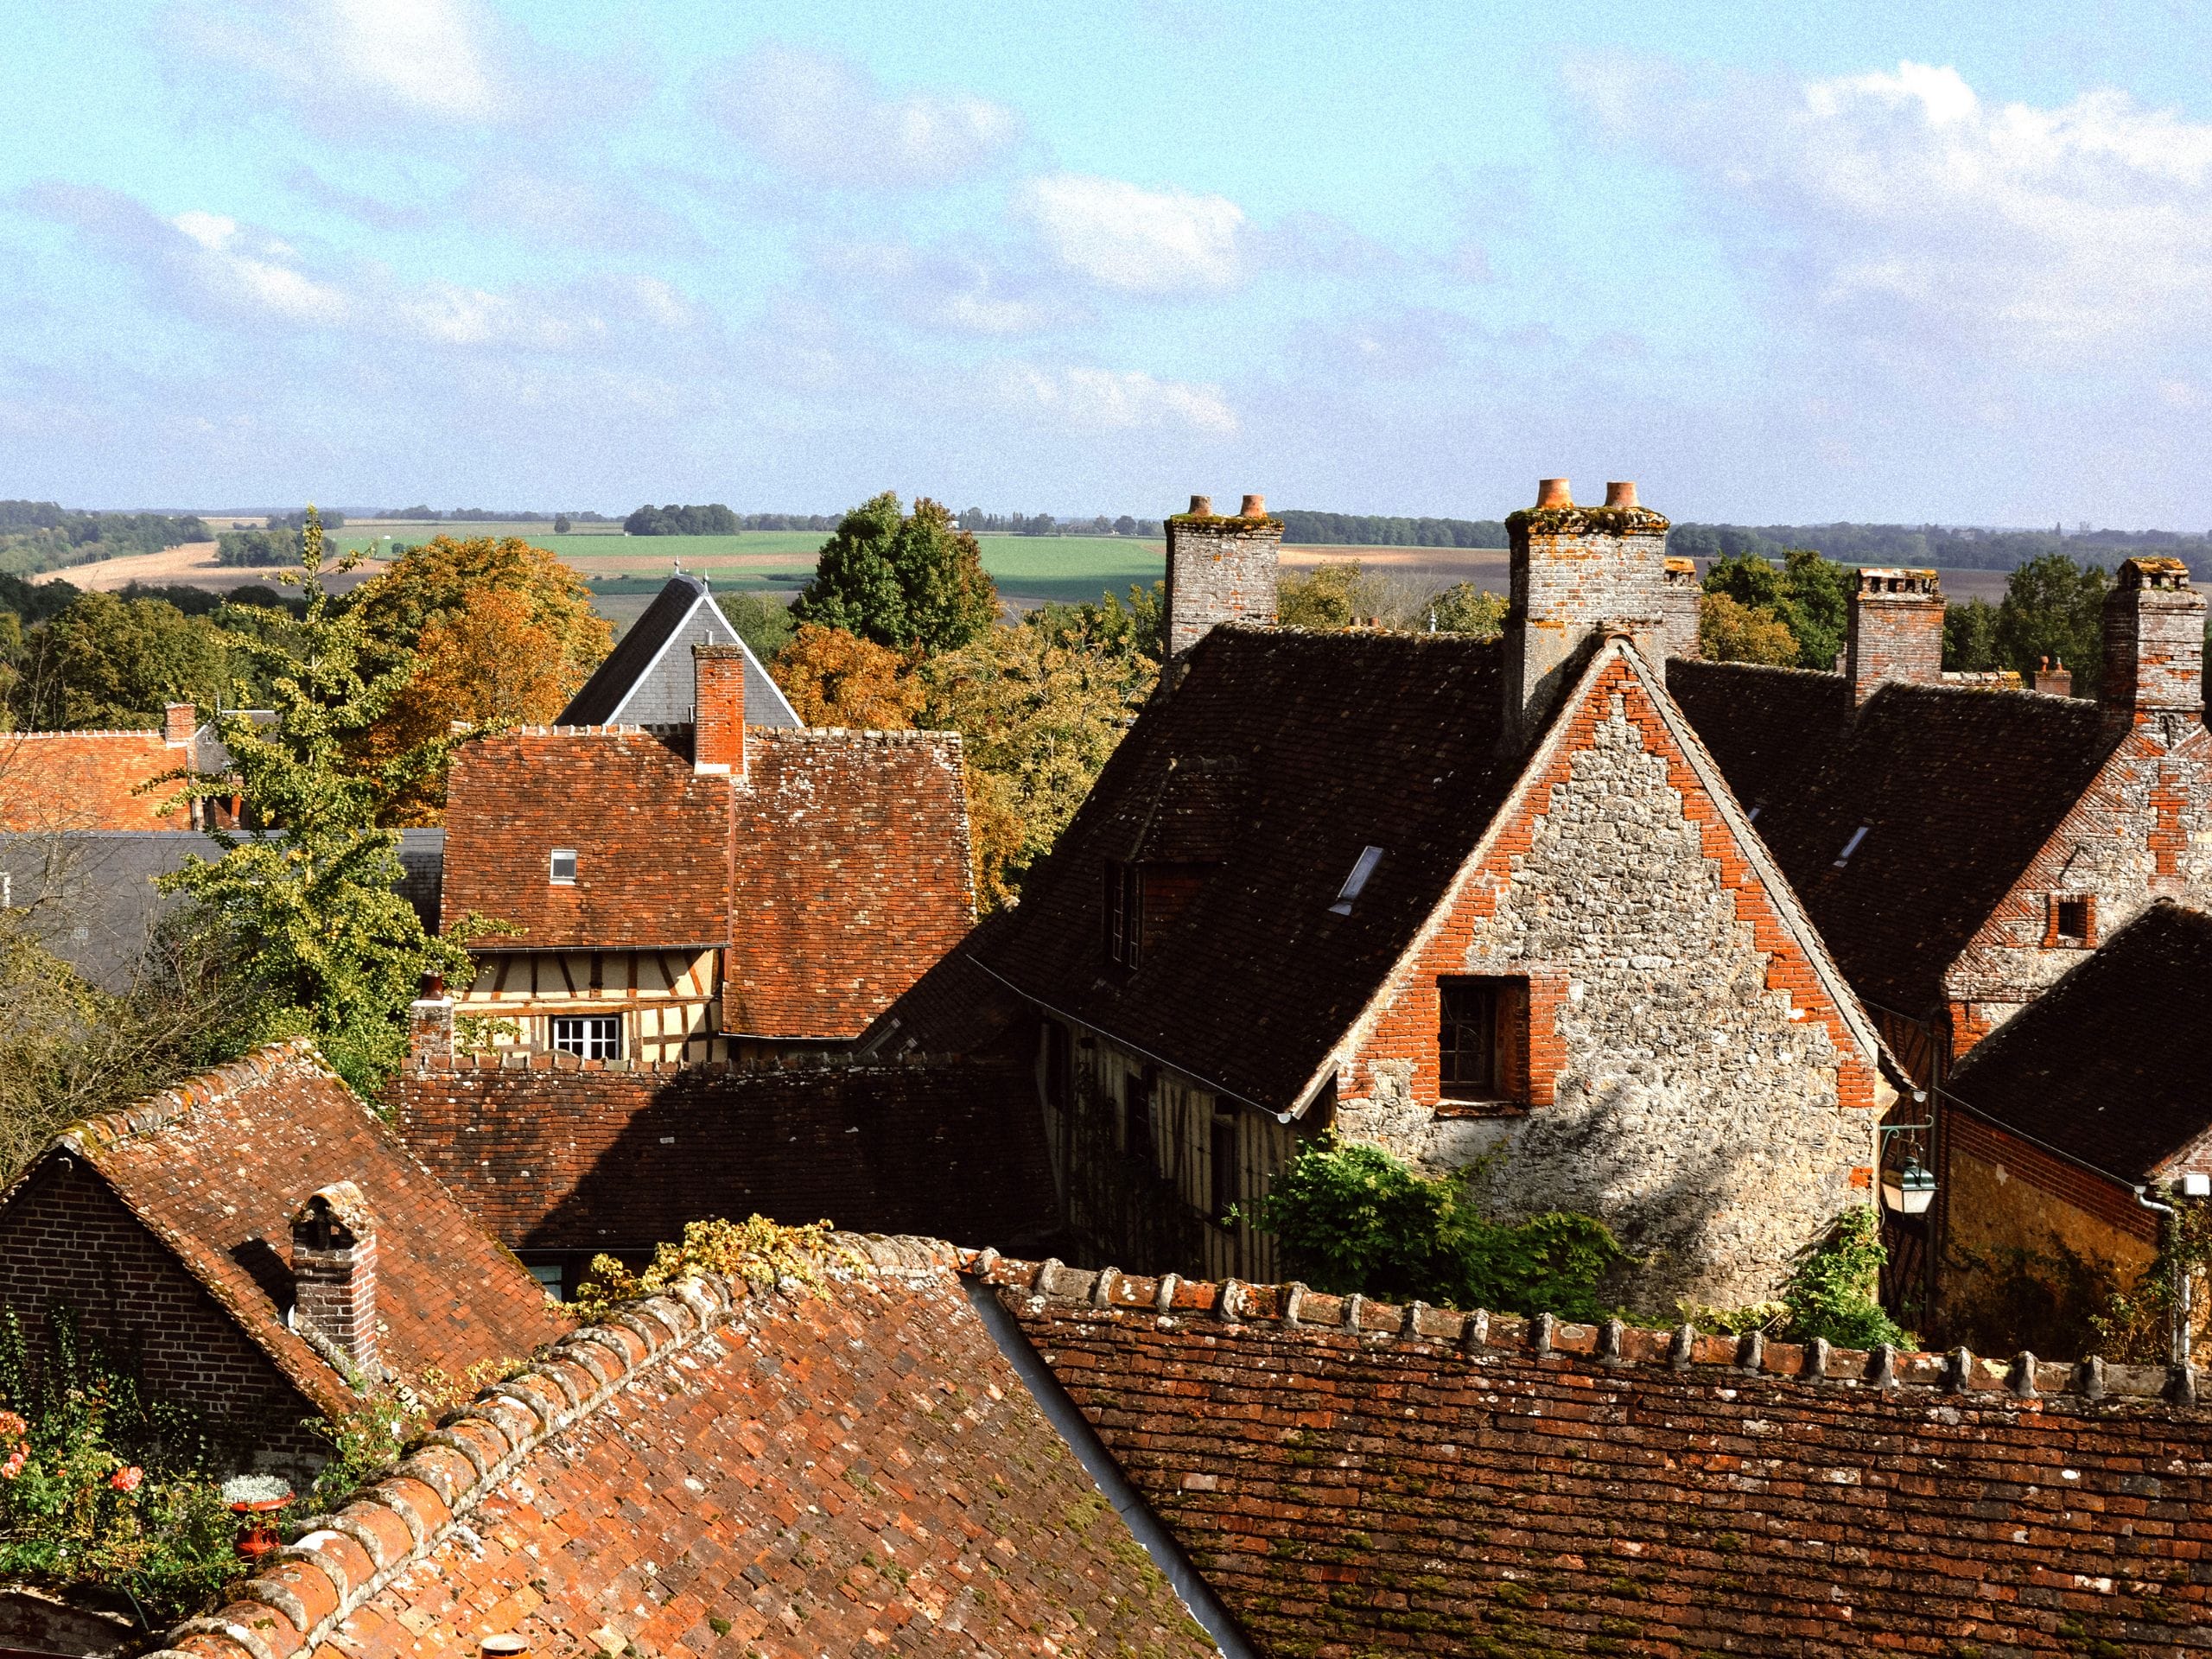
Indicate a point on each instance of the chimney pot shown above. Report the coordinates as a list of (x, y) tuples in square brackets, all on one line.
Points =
[(1573, 579), (1553, 493), (433, 986), (1255, 506), (1621, 492), (1202, 507)]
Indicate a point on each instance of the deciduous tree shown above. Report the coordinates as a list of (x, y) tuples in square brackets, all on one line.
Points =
[(902, 580), (1729, 632)]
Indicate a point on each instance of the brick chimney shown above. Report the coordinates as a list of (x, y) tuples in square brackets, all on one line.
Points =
[(179, 721), (2154, 643), (2053, 679), (1220, 570), (1896, 631), (1576, 571), (429, 1024), (1681, 596), (718, 710), (334, 1275)]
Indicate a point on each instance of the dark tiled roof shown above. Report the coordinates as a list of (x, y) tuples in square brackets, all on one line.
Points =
[(217, 1166), (2110, 1065), (1957, 789), (1311, 747), (554, 1157), (654, 648), (852, 876), (1374, 1479), (957, 1008), (719, 1471)]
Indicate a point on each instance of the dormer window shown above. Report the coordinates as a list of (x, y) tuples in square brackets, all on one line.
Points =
[(564, 870)]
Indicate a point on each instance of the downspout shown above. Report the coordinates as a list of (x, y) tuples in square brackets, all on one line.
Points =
[(2181, 1288)]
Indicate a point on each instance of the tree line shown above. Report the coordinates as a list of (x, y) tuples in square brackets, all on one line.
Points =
[(1921, 546), (36, 536)]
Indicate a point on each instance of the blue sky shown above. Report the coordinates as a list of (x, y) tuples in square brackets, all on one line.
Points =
[(1878, 261)]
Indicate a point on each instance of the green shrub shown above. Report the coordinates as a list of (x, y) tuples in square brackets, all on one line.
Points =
[(1831, 1291), (1352, 1218)]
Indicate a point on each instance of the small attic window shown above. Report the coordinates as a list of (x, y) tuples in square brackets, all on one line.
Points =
[(1362, 867), (1851, 846), (563, 871)]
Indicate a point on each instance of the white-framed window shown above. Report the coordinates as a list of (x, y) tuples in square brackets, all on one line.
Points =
[(589, 1036), (564, 870)]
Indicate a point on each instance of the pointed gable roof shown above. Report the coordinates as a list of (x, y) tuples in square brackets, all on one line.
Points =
[(646, 678)]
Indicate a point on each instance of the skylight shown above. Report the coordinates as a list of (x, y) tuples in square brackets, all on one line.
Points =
[(1851, 846), (564, 866), (1356, 882)]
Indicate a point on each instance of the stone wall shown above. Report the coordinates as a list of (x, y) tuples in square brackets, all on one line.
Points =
[(1693, 1075), (1574, 569), (1219, 570), (1895, 631)]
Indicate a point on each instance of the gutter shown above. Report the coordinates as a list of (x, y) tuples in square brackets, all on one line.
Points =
[(1196, 1596)]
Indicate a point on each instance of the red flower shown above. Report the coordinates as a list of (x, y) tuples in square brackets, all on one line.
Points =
[(14, 1466), (126, 1480)]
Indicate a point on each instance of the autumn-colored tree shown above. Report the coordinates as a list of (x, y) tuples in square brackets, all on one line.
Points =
[(836, 678), (498, 632), (1730, 631)]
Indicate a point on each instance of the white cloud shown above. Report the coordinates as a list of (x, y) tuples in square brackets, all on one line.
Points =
[(1137, 240), (1091, 400), (826, 120), (1902, 206), (939, 289)]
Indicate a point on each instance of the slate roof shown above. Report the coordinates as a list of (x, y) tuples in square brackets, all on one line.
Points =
[(646, 679), (1300, 750), (2109, 1066), (726, 1470), (1957, 789), (215, 1168)]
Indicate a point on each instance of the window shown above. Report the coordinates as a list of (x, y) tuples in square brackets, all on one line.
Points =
[(1124, 902), (1851, 846), (592, 1036), (549, 1276), (1356, 883), (1222, 1172), (1466, 1039), (564, 866), (2073, 921)]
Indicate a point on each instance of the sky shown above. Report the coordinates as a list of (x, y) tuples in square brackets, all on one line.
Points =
[(1898, 263)]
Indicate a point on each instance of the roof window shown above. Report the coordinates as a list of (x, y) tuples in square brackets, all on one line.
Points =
[(563, 872), (1851, 846), (1362, 867)]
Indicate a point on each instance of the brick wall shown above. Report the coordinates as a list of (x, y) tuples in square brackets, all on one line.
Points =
[(1219, 570), (1573, 569), (1372, 1480), (66, 1237), (1688, 1075), (557, 1158), (1895, 632)]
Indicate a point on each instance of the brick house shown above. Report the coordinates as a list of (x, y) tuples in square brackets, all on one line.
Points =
[(263, 1248), (2058, 1125), (709, 889), (58, 782), (1489, 905)]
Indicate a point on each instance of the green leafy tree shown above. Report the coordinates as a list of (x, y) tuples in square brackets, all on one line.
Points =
[(1728, 631), (118, 661), (1465, 608), (1970, 636), (1352, 1218), (307, 900), (901, 580), (1808, 594), (1332, 595), (2054, 608)]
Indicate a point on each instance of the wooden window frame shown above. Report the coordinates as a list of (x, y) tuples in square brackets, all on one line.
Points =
[(2057, 936), (1504, 1012), (1123, 913), (592, 1037)]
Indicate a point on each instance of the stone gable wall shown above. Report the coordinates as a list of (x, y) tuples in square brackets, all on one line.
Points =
[(1687, 1078)]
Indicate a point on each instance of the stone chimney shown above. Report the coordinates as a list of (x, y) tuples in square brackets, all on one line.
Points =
[(2154, 644), (179, 721), (1219, 570), (2054, 679), (1681, 596), (429, 1024), (335, 1276), (1576, 571), (718, 710), (1896, 631)]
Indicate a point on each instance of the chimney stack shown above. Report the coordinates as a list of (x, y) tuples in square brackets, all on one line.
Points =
[(718, 710), (1681, 596), (1896, 631), (1220, 570), (2154, 644), (1577, 570), (179, 721), (335, 1276), (429, 1024), (2053, 679)]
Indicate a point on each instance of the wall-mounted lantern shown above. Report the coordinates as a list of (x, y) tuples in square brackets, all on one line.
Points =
[(1910, 1191)]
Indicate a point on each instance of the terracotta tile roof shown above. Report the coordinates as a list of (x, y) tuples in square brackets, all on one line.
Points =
[(1957, 789), (556, 1158), (1354, 1478), (54, 781), (646, 678), (852, 876), (216, 1167), (2109, 1064), (1287, 753), (723, 1470), (652, 839), (957, 1008)]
